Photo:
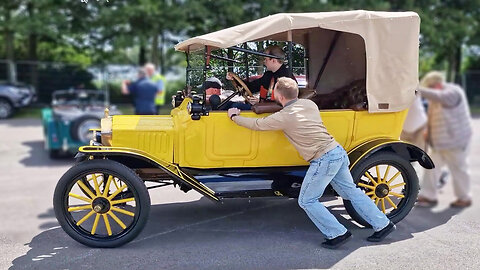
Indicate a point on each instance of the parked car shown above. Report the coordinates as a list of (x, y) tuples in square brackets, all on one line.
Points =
[(361, 70), (14, 96), (67, 124)]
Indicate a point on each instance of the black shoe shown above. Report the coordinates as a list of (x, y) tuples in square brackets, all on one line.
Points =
[(380, 235), (337, 241)]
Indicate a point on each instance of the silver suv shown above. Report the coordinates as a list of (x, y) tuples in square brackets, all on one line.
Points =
[(14, 96)]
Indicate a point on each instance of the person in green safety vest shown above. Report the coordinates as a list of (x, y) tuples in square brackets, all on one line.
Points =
[(158, 80)]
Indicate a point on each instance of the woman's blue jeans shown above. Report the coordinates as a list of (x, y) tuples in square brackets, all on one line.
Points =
[(332, 168)]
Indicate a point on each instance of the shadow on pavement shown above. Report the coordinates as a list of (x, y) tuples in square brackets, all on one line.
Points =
[(50, 215), (260, 234), (38, 156), (421, 219)]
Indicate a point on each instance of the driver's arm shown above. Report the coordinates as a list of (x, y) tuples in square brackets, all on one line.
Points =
[(254, 85)]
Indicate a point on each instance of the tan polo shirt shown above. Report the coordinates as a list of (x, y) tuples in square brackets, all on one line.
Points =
[(300, 121)]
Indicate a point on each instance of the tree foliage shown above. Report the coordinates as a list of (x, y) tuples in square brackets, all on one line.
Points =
[(135, 31)]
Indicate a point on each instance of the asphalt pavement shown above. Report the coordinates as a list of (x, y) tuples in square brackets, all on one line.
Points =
[(187, 231)]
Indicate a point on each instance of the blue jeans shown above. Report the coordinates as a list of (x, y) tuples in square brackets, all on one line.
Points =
[(332, 168)]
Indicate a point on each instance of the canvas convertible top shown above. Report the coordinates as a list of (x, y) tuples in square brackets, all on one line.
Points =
[(380, 47)]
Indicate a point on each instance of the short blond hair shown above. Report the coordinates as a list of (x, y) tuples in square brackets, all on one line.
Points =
[(432, 78), (287, 87)]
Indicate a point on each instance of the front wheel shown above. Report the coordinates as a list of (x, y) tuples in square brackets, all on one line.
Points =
[(390, 181), (101, 203), (6, 109)]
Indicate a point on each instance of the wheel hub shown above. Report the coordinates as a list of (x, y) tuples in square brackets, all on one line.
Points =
[(382, 190), (101, 205)]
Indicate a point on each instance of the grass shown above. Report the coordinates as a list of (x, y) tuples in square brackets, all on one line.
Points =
[(29, 112), (126, 109), (475, 110)]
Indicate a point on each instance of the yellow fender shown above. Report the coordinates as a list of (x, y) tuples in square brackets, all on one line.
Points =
[(171, 169), (406, 150)]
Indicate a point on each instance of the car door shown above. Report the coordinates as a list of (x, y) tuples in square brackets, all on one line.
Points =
[(215, 141)]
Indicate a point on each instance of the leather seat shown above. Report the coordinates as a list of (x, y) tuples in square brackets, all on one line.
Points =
[(352, 96)]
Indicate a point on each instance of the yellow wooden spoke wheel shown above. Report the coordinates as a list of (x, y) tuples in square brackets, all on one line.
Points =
[(101, 203), (390, 181)]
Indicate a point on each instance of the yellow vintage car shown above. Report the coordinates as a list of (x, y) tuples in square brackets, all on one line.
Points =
[(361, 68)]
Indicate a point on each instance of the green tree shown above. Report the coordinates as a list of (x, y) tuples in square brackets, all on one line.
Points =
[(8, 24), (446, 27)]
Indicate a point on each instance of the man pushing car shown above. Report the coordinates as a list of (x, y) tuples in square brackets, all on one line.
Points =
[(301, 123)]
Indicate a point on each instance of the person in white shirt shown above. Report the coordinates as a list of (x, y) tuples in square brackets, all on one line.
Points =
[(415, 124)]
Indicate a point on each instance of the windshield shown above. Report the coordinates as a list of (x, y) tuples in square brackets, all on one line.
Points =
[(245, 63), (78, 97)]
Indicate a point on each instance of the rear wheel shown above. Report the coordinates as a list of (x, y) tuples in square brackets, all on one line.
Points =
[(111, 214), (390, 181)]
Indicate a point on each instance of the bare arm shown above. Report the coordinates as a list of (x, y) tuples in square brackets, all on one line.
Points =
[(271, 122), (125, 87)]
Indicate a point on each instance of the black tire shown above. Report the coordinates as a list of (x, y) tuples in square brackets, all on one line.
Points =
[(6, 109), (409, 188), (79, 129), (101, 205)]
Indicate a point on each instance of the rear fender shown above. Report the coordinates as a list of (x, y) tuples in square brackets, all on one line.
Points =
[(140, 157), (407, 151)]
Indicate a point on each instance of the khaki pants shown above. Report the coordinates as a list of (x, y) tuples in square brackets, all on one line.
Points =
[(456, 161)]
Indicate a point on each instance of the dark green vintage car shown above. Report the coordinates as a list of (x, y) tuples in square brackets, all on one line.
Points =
[(67, 123)]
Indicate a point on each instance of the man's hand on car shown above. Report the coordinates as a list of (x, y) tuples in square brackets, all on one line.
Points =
[(232, 112)]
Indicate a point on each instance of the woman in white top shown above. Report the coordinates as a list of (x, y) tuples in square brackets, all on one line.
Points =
[(415, 124)]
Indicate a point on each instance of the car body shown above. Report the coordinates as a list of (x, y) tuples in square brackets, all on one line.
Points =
[(67, 123), (197, 148), (14, 96)]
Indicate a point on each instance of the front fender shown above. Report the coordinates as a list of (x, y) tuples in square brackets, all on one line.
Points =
[(408, 151), (171, 169)]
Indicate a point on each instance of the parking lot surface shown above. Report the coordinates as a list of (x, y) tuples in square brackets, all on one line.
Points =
[(186, 231)]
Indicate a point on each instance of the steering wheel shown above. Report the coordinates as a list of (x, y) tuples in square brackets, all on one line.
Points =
[(240, 86)]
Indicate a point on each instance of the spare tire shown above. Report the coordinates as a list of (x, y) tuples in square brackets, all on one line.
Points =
[(80, 128)]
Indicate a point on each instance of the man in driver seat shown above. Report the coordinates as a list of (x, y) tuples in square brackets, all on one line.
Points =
[(265, 84)]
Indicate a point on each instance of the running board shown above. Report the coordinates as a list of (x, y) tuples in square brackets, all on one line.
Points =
[(247, 194)]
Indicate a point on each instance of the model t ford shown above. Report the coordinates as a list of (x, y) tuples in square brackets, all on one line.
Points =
[(361, 69)]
